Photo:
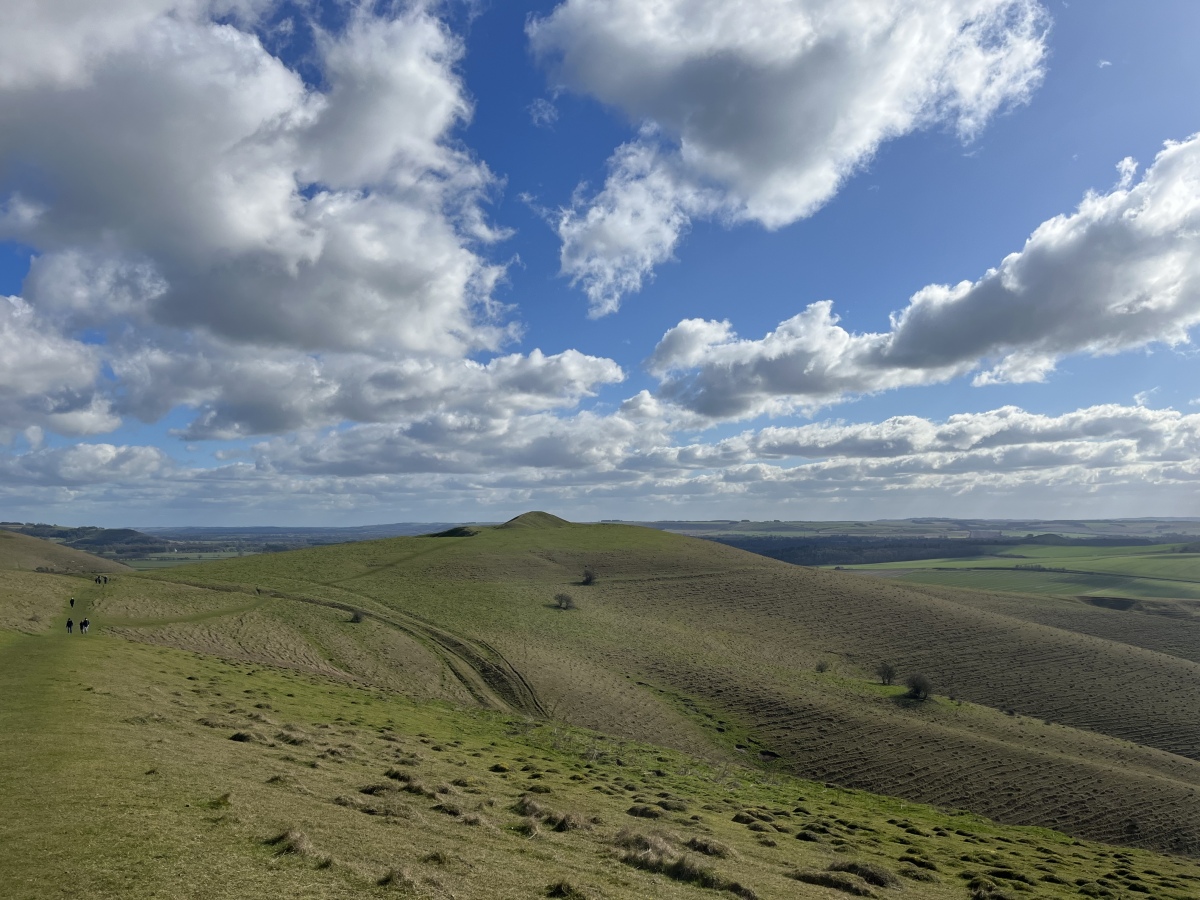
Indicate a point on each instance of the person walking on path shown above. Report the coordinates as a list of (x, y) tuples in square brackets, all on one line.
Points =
[(72, 603), (83, 626), (70, 625)]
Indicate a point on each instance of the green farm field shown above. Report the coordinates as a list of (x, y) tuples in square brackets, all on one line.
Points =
[(417, 714), (1154, 572)]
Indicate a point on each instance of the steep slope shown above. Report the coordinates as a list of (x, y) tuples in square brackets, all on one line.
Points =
[(20, 551), (693, 645)]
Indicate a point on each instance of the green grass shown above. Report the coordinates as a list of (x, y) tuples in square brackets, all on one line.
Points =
[(685, 658), (121, 780), (1138, 572)]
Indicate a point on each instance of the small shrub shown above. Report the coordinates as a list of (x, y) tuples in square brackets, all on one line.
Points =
[(885, 672), (564, 600), (589, 576), (822, 666), (357, 617), (919, 686)]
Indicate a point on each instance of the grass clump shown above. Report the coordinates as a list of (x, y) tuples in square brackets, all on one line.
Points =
[(658, 853), (872, 873), (839, 881), (399, 879), (642, 811), (296, 843), (709, 847), (565, 890)]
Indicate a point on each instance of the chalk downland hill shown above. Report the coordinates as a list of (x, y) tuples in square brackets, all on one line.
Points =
[(422, 715), (19, 551)]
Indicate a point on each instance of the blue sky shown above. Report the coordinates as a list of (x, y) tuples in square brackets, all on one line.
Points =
[(334, 263)]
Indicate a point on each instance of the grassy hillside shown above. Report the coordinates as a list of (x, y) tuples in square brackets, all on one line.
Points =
[(133, 770), (687, 644), (19, 551)]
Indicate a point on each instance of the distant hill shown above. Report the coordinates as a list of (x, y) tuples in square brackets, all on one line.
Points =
[(20, 551), (687, 643)]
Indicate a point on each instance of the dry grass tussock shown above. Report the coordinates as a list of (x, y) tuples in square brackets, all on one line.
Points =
[(555, 820), (659, 853), (296, 843)]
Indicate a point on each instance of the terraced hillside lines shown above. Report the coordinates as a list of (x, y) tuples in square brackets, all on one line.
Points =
[(953, 757), (20, 551), (701, 646), (1169, 627), (334, 790), (477, 666)]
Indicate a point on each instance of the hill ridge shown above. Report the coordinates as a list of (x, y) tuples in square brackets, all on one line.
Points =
[(535, 519)]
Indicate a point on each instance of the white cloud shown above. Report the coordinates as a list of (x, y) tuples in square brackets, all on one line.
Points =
[(1122, 271), (266, 211), (228, 238), (47, 381), (271, 392), (543, 113), (612, 242), (1105, 460), (760, 110)]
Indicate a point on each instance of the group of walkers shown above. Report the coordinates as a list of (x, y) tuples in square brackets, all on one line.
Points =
[(84, 624), (101, 579)]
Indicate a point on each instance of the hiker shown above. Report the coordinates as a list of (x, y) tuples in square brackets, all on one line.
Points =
[(72, 603), (70, 625), (83, 626)]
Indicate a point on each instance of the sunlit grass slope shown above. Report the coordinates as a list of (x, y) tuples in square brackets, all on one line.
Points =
[(22, 552), (697, 646), (132, 770)]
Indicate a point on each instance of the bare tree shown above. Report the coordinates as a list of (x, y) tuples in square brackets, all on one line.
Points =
[(589, 576), (919, 686), (564, 601), (885, 672)]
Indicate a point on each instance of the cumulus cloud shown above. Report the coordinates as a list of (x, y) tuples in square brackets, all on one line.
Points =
[(272, 392), (267, 211), (453, 465), (1122, 271), (46, 380), (212, 231), (759, 111)]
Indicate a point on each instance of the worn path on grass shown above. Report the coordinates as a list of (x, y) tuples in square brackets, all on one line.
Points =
[(83, 814)]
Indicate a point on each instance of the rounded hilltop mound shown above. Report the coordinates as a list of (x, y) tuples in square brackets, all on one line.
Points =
[(535, 519)]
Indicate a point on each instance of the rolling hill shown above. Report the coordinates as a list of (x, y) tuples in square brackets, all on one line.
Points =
[(20, 551), (398, 706), (693, 645)]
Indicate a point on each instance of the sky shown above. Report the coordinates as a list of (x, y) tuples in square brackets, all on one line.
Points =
[(320, 262)]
